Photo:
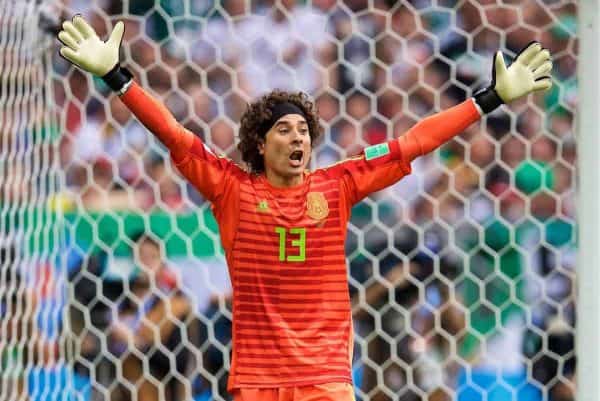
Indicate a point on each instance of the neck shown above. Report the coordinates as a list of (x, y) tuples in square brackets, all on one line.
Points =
[(279, 181)]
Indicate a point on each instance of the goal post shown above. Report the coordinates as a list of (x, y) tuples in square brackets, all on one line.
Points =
[(588, 311)]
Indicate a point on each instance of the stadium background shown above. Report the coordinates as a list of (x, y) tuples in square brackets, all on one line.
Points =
[(462, 275)]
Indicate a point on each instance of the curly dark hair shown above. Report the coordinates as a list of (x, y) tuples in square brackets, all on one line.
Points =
[(259, 112)]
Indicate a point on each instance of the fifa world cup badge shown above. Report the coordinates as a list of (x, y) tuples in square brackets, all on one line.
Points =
[(316, 206)]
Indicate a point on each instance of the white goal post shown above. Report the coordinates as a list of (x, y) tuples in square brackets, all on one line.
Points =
[(588, 311)]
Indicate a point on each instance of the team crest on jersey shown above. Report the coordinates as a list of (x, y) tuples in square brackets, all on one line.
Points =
[(317, 207)]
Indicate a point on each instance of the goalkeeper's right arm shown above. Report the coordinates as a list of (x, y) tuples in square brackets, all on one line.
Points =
[(83, 48)]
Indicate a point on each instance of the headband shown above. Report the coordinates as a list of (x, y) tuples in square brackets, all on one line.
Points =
[(277, 111)]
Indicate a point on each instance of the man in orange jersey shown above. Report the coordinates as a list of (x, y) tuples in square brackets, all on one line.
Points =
[(283, 228)]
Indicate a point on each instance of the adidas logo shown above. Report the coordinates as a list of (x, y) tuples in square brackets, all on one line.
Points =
[(263, 207)]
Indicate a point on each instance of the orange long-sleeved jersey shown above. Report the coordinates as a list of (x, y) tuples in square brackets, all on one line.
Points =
[(292, 323)]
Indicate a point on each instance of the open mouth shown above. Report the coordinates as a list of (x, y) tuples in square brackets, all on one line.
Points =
[(296, 158)]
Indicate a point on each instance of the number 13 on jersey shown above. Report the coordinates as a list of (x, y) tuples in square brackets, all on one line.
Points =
[(298, 239)]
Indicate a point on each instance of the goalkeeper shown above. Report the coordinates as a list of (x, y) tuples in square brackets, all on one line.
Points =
[(283, 228)]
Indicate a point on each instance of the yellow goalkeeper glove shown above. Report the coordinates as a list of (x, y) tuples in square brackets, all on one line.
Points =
[(530, 72), (83, 47)]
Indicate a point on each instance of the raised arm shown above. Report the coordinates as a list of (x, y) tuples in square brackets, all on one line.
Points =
[(528, 73), (431, 132), (159, 120), (82, 47), (384, 164)]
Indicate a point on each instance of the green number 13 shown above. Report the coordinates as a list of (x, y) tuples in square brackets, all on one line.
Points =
[(299, 242)]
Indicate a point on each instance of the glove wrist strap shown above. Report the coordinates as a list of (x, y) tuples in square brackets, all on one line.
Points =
[(487, 99), (118, 79)]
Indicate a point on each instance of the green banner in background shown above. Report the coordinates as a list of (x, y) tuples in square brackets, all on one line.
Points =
[(184, 234), (191, 234)]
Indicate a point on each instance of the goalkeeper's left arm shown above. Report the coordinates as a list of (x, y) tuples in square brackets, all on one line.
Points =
[(530, 72), (376, 170)]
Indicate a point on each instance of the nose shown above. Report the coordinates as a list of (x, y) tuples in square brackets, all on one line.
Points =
[(298, 137)]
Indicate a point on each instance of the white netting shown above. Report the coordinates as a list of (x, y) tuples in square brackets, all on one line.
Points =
[(461, 275), (30, 276)]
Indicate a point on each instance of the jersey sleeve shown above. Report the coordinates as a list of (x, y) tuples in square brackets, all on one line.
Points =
[(382, 165), (207, 172), (377, 167), (435, 130)]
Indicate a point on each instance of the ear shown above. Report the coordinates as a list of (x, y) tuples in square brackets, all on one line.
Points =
[(261, 147)]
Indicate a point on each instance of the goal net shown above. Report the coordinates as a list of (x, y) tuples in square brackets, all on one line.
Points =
[(31, 282), (114, 284)]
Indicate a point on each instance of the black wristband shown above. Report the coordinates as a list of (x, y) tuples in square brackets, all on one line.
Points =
[(117, 78), (488, 99)]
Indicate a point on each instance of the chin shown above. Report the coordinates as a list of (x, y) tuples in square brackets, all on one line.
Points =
[(295, 173)]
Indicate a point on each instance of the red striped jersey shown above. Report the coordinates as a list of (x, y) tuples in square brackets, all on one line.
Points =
[(292, 322)]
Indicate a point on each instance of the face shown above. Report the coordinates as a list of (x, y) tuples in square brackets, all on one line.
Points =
[(150, 257), (286, 150)]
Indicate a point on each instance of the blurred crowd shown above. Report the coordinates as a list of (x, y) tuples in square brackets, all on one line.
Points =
[(463, 270)]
